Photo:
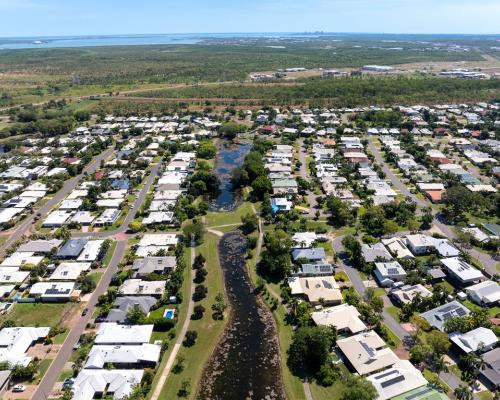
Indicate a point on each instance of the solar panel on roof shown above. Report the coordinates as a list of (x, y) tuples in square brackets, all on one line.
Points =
[(392, 381), (368, 349), (446, 316), (393, 271), (461, 312), (327, 285)]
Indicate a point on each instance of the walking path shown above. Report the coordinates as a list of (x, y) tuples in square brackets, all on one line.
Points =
[(182, 334)]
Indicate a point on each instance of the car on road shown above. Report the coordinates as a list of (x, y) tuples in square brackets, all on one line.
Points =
[(85, 312), (18, 389)]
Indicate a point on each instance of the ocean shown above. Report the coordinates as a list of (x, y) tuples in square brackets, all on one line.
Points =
[(127, 40)]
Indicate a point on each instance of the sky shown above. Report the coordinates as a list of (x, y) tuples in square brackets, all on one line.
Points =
[(93, 17)]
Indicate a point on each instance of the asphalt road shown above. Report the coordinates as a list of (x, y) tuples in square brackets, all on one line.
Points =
[(67, 188), (132, 213), (55, 369), (311, 197), (486, 260)]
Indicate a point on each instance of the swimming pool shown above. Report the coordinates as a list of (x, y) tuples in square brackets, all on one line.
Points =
[(169, 313)]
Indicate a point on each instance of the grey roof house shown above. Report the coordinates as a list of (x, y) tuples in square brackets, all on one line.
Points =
[(438, 316), (160, 265), (72, 248), (124, 304), (311, 254)]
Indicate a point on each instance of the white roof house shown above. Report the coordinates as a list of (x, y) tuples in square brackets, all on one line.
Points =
[(111, 333), (91, 250), (52, 291), (304, 239), (74, 204), (344, 317), (444, 248), (419, 244), (18, 259), (12, 275), (367, 352), (401, 378), (161, 239), (462, 271), (69, 271), (407, 293), (479, 338), (398, 248), (57, 218), (389, 272), (487, 292), (142, 355), (138, 287), (316, 289), (117, 382), (14, 342)]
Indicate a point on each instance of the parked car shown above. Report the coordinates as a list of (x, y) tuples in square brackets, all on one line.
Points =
[(18, 389), (85, 312)]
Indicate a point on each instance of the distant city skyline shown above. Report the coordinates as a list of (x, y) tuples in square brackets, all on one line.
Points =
[(28, 18)]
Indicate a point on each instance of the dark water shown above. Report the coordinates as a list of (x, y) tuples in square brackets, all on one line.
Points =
[(246, 363), (229, 156)]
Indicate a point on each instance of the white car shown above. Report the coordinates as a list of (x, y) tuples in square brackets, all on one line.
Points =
[(18, 389)]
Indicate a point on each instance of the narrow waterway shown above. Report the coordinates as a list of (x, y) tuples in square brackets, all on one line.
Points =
[(229, 156), (246, 363)]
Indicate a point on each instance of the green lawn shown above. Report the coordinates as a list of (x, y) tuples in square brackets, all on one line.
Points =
[(394, 311), (208, 330), (492, 311), (330, 392), (485, 395), (42, 368), (40, 314), (225, 218), (65, 374), (109, 254), (96, 277), (59, 339), (393, 337)]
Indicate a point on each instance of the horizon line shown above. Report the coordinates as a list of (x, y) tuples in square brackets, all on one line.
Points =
[(307, 33)]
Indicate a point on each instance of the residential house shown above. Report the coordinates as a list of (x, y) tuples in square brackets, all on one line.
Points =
[(438, 316), (485, 293), (479, 339), (344, 317), (316, 290), (367, 353), (389, 272)]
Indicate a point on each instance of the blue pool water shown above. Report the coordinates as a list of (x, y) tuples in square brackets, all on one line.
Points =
[(169, 314)]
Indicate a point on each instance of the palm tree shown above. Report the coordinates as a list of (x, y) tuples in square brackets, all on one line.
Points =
[(463, 393)]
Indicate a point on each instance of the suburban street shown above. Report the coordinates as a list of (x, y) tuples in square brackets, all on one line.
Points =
[(67, 188), (450, 379), (311, 197), (56, 367), (133, 210), (489, 263)]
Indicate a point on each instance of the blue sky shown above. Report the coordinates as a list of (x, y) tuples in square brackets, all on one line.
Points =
[(87, 17)]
